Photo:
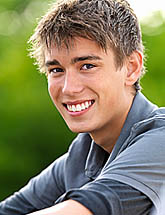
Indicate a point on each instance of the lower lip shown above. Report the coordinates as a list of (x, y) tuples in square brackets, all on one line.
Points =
[(78, 113)]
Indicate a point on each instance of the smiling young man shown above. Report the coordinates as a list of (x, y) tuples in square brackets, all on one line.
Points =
[(92, 54), (90, 92)]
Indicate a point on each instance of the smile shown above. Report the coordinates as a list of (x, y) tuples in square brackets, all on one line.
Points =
[(79, 106)]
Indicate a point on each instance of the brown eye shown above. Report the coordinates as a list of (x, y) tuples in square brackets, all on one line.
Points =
[(87, 66), (56, 70)]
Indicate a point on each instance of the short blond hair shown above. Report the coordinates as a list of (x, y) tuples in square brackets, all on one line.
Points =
[(109, 23)]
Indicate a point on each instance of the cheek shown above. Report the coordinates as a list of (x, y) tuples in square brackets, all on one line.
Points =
[(52, 89)]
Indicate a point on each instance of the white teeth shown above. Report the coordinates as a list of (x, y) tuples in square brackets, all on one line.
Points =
[(86, 104), (79, 107), (69, 107), (73, 108), (82, 106)]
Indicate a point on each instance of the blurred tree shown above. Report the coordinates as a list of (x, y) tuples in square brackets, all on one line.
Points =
[(32, 134), (153, 82)]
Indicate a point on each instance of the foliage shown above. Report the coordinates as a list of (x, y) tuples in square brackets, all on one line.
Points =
[(32, 134)]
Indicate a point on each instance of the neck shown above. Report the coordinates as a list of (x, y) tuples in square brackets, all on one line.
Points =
[(107, 136)]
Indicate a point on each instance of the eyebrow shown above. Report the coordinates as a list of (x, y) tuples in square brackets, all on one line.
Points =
[(52, 63), (74, 60), (83, 58)]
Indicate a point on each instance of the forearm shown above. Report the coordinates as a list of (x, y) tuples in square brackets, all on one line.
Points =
[(65, 208), (15, 205), (118, 198)]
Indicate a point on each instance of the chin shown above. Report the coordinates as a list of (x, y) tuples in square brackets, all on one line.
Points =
[(79, 129), (76, 130)]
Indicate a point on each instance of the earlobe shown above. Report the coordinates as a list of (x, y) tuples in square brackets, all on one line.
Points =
[(134, 67)]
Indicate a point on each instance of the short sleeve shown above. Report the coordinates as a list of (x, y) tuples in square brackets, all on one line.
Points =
[(142, 164)]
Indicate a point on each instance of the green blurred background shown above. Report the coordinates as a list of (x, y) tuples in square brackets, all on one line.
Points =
[(32, 133)]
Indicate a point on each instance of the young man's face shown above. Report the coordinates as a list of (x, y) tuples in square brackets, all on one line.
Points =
[(86, 87)]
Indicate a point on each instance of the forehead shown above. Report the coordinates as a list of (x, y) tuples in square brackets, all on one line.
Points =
[(77, 47)]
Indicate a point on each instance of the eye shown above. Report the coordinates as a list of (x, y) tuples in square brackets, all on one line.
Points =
[(87, 66), (55, 71)]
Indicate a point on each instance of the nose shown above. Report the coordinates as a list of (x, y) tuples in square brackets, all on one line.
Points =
[(72, 83)]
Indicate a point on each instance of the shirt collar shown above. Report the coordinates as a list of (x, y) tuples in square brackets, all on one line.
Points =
[(141, 109), (97, 156), (96, 159)]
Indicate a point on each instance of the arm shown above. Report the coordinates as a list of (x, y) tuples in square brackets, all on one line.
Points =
[(120, 199), (65, 208), (40, 192), (106, 195)]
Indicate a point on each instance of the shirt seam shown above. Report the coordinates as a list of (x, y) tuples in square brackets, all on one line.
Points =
[(138, 182), (155, 118)]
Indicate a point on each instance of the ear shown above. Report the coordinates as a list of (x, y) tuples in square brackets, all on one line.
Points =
[(134, 66)]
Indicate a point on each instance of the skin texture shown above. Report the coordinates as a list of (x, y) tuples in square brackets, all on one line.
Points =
[(65, 208), (77, 80), (87, 73)]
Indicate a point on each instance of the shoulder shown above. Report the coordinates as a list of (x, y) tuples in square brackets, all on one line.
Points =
[(153, 124), (141, 161)]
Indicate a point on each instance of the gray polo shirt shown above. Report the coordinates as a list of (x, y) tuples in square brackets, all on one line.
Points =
[(127, 181)]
